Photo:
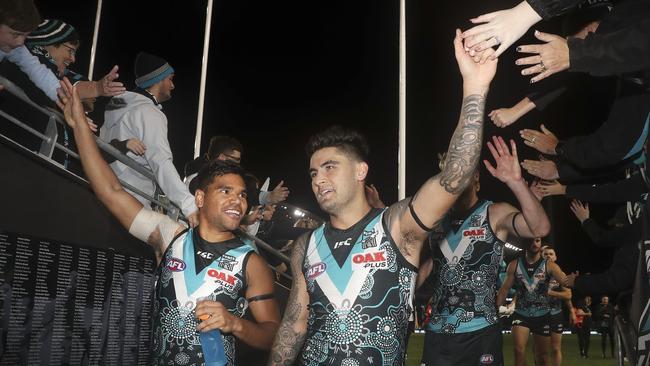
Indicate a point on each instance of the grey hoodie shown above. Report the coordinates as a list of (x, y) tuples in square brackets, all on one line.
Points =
[(132, 115)]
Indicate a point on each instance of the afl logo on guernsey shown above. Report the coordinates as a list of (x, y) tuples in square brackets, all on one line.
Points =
[(475, 233), (175, 264), (316, 270), (370, 260)]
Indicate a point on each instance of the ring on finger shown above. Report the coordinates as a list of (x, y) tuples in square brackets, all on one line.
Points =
[(542, 66), (533, 139)]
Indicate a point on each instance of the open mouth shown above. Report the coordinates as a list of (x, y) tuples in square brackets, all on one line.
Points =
[(233, 213), (325, 192)]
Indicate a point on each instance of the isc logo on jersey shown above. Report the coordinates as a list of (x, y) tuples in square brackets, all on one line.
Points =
[(316, 270), (175, 264), (370, 260), (475, 233), (225, 278)]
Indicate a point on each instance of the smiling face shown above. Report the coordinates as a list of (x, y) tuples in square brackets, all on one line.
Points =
[(64, 55), (223, 202), (336, 179)]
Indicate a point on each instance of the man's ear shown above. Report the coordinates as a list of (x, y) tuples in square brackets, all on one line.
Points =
[(362, 171), (199, 196)]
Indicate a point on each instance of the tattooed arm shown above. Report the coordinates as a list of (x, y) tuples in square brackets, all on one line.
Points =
[(439, 193), (293, 329)]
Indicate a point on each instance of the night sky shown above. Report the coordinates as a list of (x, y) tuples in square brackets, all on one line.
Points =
[(281, 71)]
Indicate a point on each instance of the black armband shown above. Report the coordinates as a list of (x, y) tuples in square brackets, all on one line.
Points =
[(417, 219), (514, 227), (261, 297)]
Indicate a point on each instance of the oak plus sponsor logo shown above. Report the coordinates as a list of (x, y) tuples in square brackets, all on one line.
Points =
[(226, 279), (477, 233), (175, 264), (487, 359), (316, 270), (540, 276), (374, 259)]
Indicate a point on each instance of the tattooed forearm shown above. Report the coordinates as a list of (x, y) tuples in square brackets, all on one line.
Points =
[(288, 341), (465, 146), (293, 329)]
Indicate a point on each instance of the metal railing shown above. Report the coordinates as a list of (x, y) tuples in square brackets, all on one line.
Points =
[(49, 144)]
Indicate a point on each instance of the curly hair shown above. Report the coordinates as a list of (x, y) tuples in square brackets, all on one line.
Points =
[(350, 142)]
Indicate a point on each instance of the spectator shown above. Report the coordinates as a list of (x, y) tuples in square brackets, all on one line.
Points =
[(17, 19), (605, 323), (138, 114), (583, 325), (228, 148)]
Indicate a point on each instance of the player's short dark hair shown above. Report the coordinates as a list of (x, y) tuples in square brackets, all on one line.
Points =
[(223, 145), (217, 168), (548, 246), (19, 15), (350, 142)]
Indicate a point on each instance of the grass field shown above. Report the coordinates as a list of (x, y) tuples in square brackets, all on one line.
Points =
[(570, 351)]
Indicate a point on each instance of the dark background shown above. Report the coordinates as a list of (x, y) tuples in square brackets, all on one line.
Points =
[(281, 71)]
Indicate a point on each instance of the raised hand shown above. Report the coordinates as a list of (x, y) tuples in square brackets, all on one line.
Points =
[(108, 87), (543, 141), (507, 164), (581, 210), (552, 188), (70, 104), (503, 117), (543, 169), (502, 28), (279, 193), (372, 196), (475, 74), (550, 57)]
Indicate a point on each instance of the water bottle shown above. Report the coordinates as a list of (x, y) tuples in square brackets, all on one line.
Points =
[(213, 351)]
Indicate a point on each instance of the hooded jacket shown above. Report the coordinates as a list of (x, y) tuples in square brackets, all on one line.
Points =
[(133, 115)]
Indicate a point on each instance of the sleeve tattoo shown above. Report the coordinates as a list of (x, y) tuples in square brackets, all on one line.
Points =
[(465, 146), (291, 335)]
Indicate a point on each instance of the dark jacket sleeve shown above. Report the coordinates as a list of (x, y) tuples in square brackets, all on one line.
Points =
[(618, 278), (551, 8), (622, 51), (543, 98), (619, 137), (120, 145), (622, 191), (621, 236)]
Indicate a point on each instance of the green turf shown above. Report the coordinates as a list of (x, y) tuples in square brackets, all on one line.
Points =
[(571, 354)]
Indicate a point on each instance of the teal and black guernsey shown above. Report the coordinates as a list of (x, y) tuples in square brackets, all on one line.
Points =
[(193, 269), (360, 294), (555, 303), (466, 256), (531, 284)]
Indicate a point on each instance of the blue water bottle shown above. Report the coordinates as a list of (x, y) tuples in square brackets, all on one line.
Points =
[(213, 351)]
